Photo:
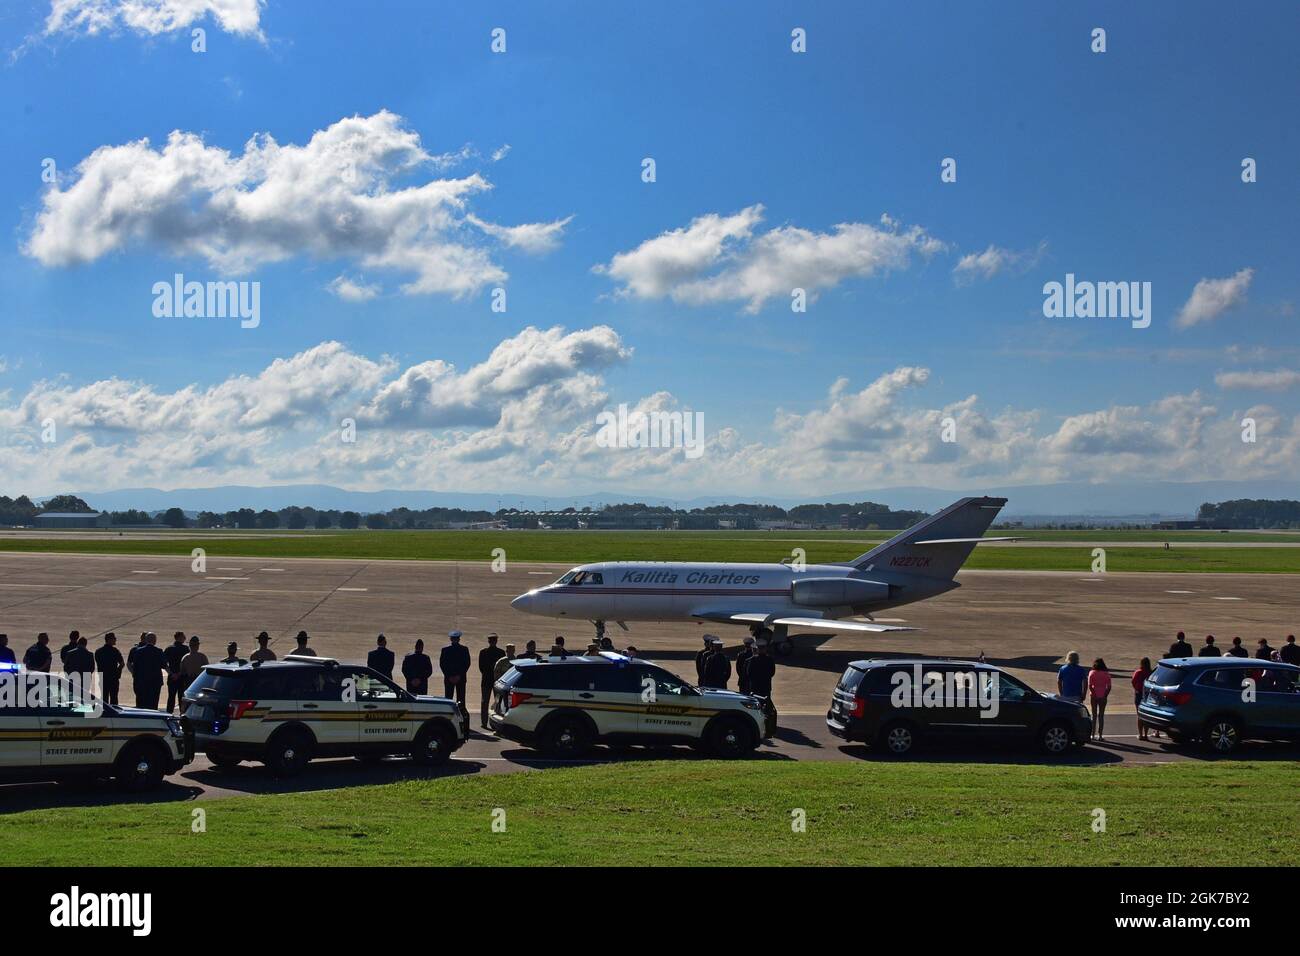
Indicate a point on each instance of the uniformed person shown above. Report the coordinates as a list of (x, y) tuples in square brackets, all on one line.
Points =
[(73, 637), (147, 665), (173, 655), (743, 657), (762, 668), (302, 649), (702, 658), (717, 668), (417, 668), (453, 661), (487, 662), (80, 666), (38, 656), (108, 661), (6, 654), (232, 655), (263, 652), (381, 658)]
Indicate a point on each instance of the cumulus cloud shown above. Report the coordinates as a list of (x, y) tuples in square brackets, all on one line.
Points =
[(1212, 297), (996, 260), (334, 198), (351, 291), (720, 258), (152, 17), (1276, 380)]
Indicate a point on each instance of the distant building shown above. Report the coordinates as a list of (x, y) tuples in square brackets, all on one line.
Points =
[(72, 519), (1195, 525)]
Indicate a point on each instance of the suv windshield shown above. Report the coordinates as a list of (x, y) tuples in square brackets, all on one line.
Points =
[(1167, 676), (223, 685)]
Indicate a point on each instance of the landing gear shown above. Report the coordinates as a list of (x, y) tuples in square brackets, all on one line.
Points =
[(778, 638), (600, 630)]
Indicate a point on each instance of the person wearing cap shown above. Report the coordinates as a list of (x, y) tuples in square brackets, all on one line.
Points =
[(743, 657), (302, 650), (702, 658), (381, 658), (232, 655), (191, 667), (109, 663), (38, 656), (487, 662), (762, 668), (147, 664), (503, 664), (6, 653), (417, 668), (263, 652), (717, 669), (173, 656), (453, 661)]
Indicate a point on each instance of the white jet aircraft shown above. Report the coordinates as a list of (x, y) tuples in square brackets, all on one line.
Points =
[(915, 564)]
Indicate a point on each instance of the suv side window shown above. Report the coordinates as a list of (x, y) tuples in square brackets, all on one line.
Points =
[(666, 685), (879, 681), (549, 677), (315, 683), (1227, 678), (1275, 680), (614, 679), (372, 687)]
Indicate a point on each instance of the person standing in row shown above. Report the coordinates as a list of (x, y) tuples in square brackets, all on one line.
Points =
[(232, 655), (1289, 653), (109, 663), (761, 669), (191, 667), (503, 664), (1099, 685), (717, 668), (701, 658), (1209, 649), (174, 654), (454, 664), (417, 668), (263, 652), (79, 665), (487, 662), (6, 654), (1180, 647), (302, 650), (1139, 680), (67, 648), (743, 657), (147, 664), (1236, 650), (381, 659), (38, 656), (1263, 652)]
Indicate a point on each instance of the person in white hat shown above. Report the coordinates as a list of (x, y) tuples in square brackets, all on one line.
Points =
[(454, 664)]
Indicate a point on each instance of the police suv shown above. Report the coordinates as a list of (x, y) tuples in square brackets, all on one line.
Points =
[(565, 705), (284, 713), (51, 729)]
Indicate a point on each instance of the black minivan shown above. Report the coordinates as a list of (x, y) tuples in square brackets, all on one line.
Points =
[(892, 705)]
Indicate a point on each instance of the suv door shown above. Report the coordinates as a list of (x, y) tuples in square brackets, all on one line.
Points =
[(20, 726), (1278, 700), (669, 706), (611, 696), (384, 711), (74, 733), (322, 706)]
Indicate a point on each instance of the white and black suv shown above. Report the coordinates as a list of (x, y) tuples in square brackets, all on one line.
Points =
[(564, 706), (284, 713), (53, 730)]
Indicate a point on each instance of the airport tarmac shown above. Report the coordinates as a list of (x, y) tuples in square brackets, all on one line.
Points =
[(1024, 621)]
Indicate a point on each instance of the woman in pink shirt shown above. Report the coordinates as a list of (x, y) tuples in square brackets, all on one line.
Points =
[(1099, 690)]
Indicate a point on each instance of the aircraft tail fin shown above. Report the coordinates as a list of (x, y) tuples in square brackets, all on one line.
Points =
[(938, 546)]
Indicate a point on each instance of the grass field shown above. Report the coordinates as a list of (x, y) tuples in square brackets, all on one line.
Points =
[(576, 547), (703, 812)]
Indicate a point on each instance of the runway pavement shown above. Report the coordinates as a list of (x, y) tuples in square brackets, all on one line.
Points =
[(798, 738), (1025, 621)]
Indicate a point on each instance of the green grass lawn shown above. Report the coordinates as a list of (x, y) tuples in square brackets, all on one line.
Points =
[(576, 547), (705, 812)]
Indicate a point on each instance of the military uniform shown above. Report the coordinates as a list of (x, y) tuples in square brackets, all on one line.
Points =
[(108, 661), (487, 662), (381, 659)]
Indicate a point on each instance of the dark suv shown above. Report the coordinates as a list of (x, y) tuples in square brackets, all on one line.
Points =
[(893, 704), (1222, 701)]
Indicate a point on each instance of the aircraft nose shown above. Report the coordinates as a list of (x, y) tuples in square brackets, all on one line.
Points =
[(524, 602)]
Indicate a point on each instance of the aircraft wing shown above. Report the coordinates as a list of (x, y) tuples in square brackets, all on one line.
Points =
[(826, 624)]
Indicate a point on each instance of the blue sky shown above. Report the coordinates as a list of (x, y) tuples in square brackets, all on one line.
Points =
[(1114, 166)]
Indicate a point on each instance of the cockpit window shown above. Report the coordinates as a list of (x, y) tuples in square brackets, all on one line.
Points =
[(567, 577)]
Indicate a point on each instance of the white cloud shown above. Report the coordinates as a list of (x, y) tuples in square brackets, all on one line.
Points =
[(724, 259), (351, 291), (1277, 380), (1212, 297), (332, 199), (500, 153), (533, 237), (152, 17), (995, 260)]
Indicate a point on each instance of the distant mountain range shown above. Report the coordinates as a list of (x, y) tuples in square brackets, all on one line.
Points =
[(1065, 499)]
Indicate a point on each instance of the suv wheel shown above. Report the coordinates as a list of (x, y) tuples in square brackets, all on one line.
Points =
[(897, 739), (1222, 735), (139, 768), (432, 746), (729, 738), (287, 753), (1055, 739), (566, 737)]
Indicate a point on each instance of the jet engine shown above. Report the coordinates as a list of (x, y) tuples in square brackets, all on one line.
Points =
[(837, 592)]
